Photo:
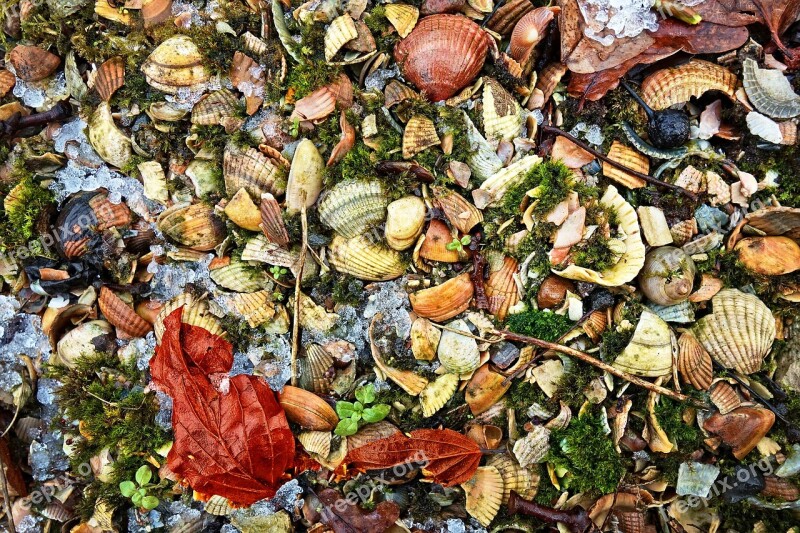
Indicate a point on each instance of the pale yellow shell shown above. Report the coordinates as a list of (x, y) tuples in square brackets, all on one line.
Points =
[(649, 352), (251, 170), (195, 312), (524, 481), (154, 181), (405, 219), (484, 494), (85, 340), (240, 277), (533, 447), (629, 158), (458, 353), (219, 506), (403, 17), (256, 307), (493, 189), (243, 212), (363, 259), (174, 64), (351, 208), (424, 339), (683, 231), (437, 393), (420, 134), (218, 108), (113, 146), (341, 31), (195, 226), (260, 249), (305, 177), (316, 442), (654, 226), (769, 91), (314, 369), (502, 114)]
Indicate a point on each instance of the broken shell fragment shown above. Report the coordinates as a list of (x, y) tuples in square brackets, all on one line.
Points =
[(176, 63), (677, 85), (341, 31), (243, 212), (437, 393), (307, 410), (533, 447), (461, 214), (251, 170), (502, 114), (484, 494), (113, 146), (649, 353), (769, 91), (769, 256), (409, 381), (424, 339), (741, 429), (444, 301), (32, 63), (110, 77), (629, 158), (403, 17), (654, 226), (420, 134), (436, 246), (195, 226), (724, 397), (501, 289), (86, 340), (694, 363), (272, 223)]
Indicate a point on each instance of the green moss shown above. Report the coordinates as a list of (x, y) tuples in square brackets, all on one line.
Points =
[(742, 516), (306, 77), (670, 415), (595, 253), (358, 164), (613, 342), (19, 222), (575, 380), (547, 493), (522, 394), (540, 324)]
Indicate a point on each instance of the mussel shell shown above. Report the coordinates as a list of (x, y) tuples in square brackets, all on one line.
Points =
[(82, 217), (444, 301)]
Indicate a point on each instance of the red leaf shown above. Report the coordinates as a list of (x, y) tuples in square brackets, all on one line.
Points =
[(449, 457), (235, 444), (345, 516)]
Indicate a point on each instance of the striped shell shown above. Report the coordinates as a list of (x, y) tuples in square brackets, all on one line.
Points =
[(505, 19), (776, 221), (724, 397), (316, 442), (341, 30), (272, 223), (122, 315), (252, 171), (484, 494), (444, 301), (218, 108), (255, 307), (483, 160), (677, 85), (7, 82), (739, 332), (219, 506), (528, 32), (649, 352), (402, 17), (493, 189), (363, 259), (501, 289), (442, 55), (174, 64), (315, 369), (458, 353), (239, 276), (307, 410), (351, 208), (595, 324), (461, 214), (420, 134), (502, 114), (110, 77), (533, 447), (437, 393), (396, 92), (405, 219), (629, 158), (683, 231), (79, 219), (195, 312), (523, 481), (769, 91), (261, 249), (195, 226)]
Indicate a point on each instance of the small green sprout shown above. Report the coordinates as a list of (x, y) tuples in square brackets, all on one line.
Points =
[(351, 414), (294, 129), (138, 491), (277, 271), (459, 244), (277, 296)]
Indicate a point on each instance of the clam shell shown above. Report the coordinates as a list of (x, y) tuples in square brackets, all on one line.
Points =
[(769, 256), (458, 353), (501, 289), (396, 92), (724, 397), (502, 114), (174, 64), (776, 221), (315, 369), (629, 158), (654, 226), (437, 393), (485, 389), (87, 339), (442, 55), (493, 189), (195, 312), (341, 30), (195, 226), (305, 177), (677, 85), (484, 494), (243, 212), (533, 447), (631, 261), (272, 223), (764, 127), (434, 246), (523, 481), (420, 134), (649, 353), (405, 219), (121, 315), (156, 11), (113, 146), (505, 18), (7, 82), (252, 171), (260, 249), (402, 17), (307, 410), (595, 324), (351, 208), (239, 276), (255, 307), (424, 339), (315, 106), (528, 32), (444, 301), (363, 259), (769, 91), (409, 381), (110, 77), (218, 108), (155, 181), (739, 332), (219, 506), (461, 214), (32, 63)]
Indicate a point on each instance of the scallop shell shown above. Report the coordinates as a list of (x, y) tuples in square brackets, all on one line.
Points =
[(528, 32), (493, 189), (272, 220), (740, 331), (195, 226), (351, 208), (315, 369), (239, 276), (402, 17), (677, 85), (649, 353), (260, 249), (424, 339), (220, 107), (484, 494), (523, 481), (307, 410), (724, 397), (305, 177), (409, 381), (458, 353), (769, 91), (7, 82), (444, 301), (250, 170), (502, 114), (110, 77), (632, 259), (113, 146), (681, 313), (420, 134), (629, 158), (434, 245), (405, 219), (769, 256), (219, 506), (315, 106), (174, 64), (195, 312), (364, 259), (437, 393), (533, 447), (156, 11), (397, 92), (255, 307), (32, 63), (121, 315), (595, 324), (341, 30), (316, 442), (501, 289), (442, 55)]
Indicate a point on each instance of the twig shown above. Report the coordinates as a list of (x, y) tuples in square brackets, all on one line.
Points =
[(13, 420), (6, 496), (298, 281), (577, 520), (586, 358), (17, 122), (649, 179)]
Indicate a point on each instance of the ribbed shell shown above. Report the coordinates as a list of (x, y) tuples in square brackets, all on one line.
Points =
[(7, 82), (396, 92), (776, 221), (272, 223), (240, 277), (195, 312), (484, 494), (739, 332), (341, 30), (363, 259), (677, 85), (435, 245), (255, 307), (444, 301), (533, 447), (437, 393), (498, 183), (403, 17), (501, 289), (523, 481), (219, 107), (174, 64), (502, 114), (371, 433), (629, 158), (252, 171), (461, 214), (351, 208), (314, 106), (442, 55), (528, 32), (649, 353), (121, 315), (683, 231), (156, 11), (769, 91), (32, 63), (507, 15), (314, 369), (458, 353), (724, 397), (420, 134), (195, 226), (595, 324), (219, 506), (482, 160), (316, 442), (110, 77)]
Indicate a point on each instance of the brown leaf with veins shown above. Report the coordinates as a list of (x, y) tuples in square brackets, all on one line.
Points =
[(778, 16), (345, 516)]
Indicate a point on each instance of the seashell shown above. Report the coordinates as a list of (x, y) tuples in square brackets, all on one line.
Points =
[(397, 92), (769, 256), (553, 291), (442, 55), (724, 397), (780, 488), (682, 313), (250, 170), (791, 465), (315, 106), (769, 91), (595, 324), (654, 226), (243, 212), (502, 114), (156, 11), (677, 85), (7, 82), (505, 18), (256, 307), (788, 132), (483, 160), (533, 447), (547, 82), (107, 139), (121, 315), (307, 410), (649, 353), (629, 158), (776, 221), (703, 244), (719, 191), (683, 231), (764, 127), (219, 506), (409, 381), (238, 276), (493, 189), (739, 332), (154, 181), (82, 216), (371, 433), (249, 78), (316, 442), (437, 393), (405, 219), (195, 226), (364, 41), (461, 214), (351, 208), (523, 481), (696, 479), (195, 312), (260, 249), (56, 511), (32, 63), (444, 301), (692, 179), (486, 436), (220, 107), (402, 17), (165, 111), (484, 494), (305, 177), (110, 77), (631, 260), (741, 429), (709, 286), (174, 64), (85, 340), (458, 353), (434, 246), (341, 30), (420, 134), (667, 276), (272, 220), (548, 376), (424, 339), (529, 31), (501, 289), (363, 259), (315, 369)]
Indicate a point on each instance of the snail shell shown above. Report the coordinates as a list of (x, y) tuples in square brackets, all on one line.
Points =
[(667, 276)]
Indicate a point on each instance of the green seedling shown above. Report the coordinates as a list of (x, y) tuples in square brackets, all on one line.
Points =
[(353, 414), (139, 490), (459, 244)]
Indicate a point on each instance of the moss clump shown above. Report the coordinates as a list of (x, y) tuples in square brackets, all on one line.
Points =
[(554, 181), (19, 222), (357, 164), (595, 253), (669, 414), (613, 342), (742, 516), (540, 324), (575, 380), (307, 76), (523, 394)]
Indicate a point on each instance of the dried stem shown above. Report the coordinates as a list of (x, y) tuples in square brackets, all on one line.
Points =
[(586, 358), (577, 520), (298, 281), (17, 122), (649, 179), (6, 496)]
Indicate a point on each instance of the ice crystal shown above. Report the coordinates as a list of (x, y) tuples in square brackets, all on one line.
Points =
[(171, 279), (277, 368), (594, 135), (30, 524), (608, 20), (391, 301), (164, 415), (19, 335), (40, 94), (46, 456)]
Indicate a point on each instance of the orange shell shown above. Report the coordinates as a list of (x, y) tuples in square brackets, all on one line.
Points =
[(7, 82), (434, 247), (529, 31), (307, 410), (156, 11), (272, 223), (506, 17), (33, 63), (121, 315), (677, 85), (459, 211), (629, 158), (694, 362), (444, 301), (501, 289), (110, 77)]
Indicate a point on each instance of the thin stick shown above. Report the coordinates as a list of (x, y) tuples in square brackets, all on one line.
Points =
[(586, 358), (649, 179), (6, 497), (298, 281)]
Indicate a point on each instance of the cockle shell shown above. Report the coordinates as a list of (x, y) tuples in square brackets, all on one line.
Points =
[(251, 170), (442, 55), (113, 146), (351, 208), (667, 276), (362, 258), (341, 30), (257, 308), (315, 106), (769, 91), (402, 17), (501, 289), (305, 177), (434, 247), (420, 134), (218, 506), (739, 332), (110, 77), (484, 494), (315, 369), (316, 442), (307, 410), (220, 107), (239, 276), (397, 92), (7, 81), (533, 447), (677, 85), (174, 64), (649, 353), (405, 219), (502, 114), (770, 255), (529, 31), (458, 353), (724, 397), (524, 481), (195, 312), (493, 189), (261, 249), (195, 226), (424, 339), (683, 231), (461, 214), (272, 223), (121, 315), (437, 393), (595, 324), (629, 158), (32, 63), (444, 301)]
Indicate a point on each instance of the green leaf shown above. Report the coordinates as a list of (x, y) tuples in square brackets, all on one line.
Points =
[(346, 427), (149, 502), (136, 498), (453, 245), (466, 239), (366, 394), (345, 409), (356, 416), (358, 407), (376, 413), (127, 488), (144, 475)]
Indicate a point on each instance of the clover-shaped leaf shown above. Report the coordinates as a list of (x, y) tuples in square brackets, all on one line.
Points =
[(366, 394)]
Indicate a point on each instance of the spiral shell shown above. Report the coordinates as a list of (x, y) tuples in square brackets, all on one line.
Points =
[(174, 64), (307, 410), (437, 393), (419, 135), (667, 276), (502, 114), (501, 289), (351, 208), (629, 158), (252, 171), (405, 219), (484, 494), (677, 85), (121, 315), (769, 91), (195, 226), (444, 301), (110, 77), (32, 63), (649, 353), (363, 259)]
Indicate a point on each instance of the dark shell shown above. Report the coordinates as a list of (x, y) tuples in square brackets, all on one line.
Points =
[(81, 216)]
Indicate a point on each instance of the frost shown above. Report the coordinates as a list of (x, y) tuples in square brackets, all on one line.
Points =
[(377, 80), (40, 94), (46, 456), (607, 20), (594, 135), (170, 280), (454, 525), (140, 349), (285, 498), (180, 514), (19, 335), (391, 301), (277, 370), (30, 524), (139, 523)]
